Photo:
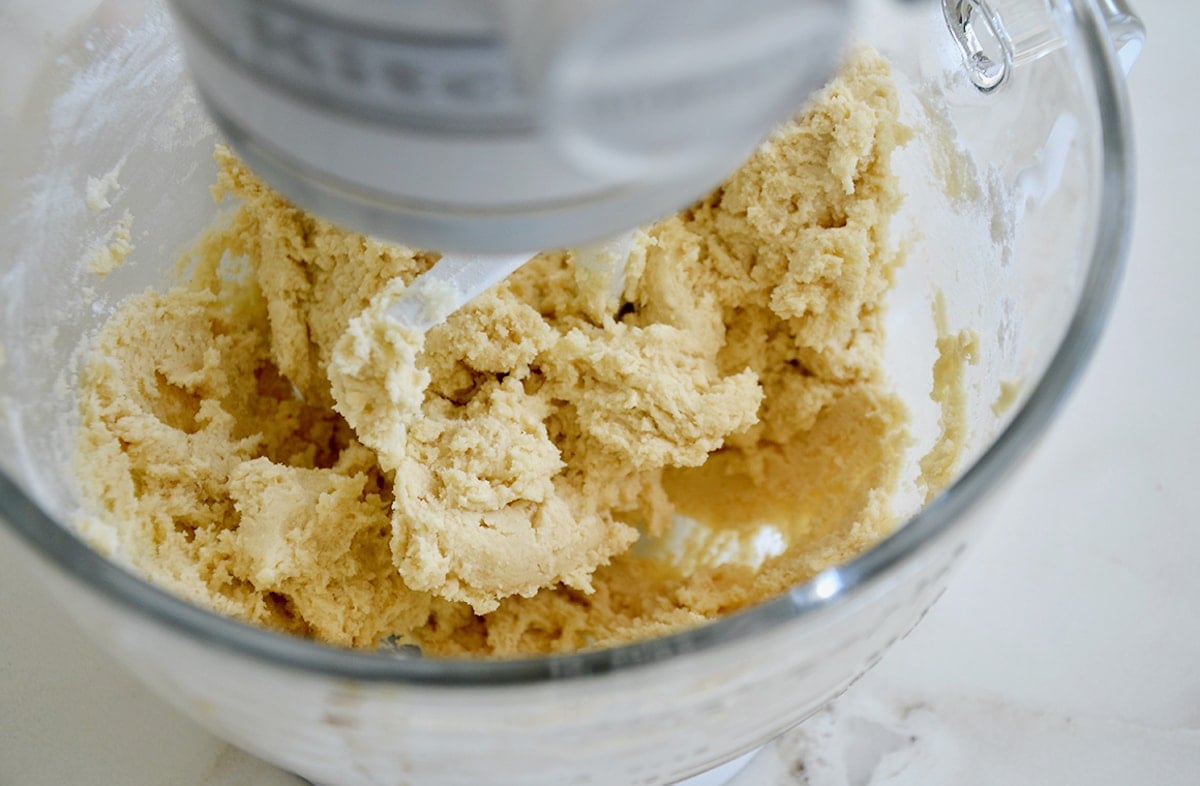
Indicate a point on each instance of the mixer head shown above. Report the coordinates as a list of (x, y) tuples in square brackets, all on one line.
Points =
[(503, 125)]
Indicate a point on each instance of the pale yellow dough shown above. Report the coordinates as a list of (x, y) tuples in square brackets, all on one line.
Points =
[(111, 252), (271, 446)]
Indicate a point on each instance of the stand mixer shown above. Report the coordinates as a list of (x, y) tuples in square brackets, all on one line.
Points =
[(498, 128)]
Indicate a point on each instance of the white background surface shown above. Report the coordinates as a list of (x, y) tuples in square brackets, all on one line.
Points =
[(1067, 649)]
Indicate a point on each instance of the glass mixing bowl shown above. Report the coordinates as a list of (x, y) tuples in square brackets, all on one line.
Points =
[(1018, 211)]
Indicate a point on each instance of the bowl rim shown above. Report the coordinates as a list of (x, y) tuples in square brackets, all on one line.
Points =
[(833, 586)]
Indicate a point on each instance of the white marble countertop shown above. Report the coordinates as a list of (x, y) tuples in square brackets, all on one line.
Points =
[(1067, 649)]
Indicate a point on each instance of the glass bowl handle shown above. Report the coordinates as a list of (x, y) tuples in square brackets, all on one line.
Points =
[(995, 36), (1126, 30)]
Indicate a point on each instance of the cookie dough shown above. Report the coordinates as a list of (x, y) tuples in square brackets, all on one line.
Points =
[(111, 251), (549, 469)]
